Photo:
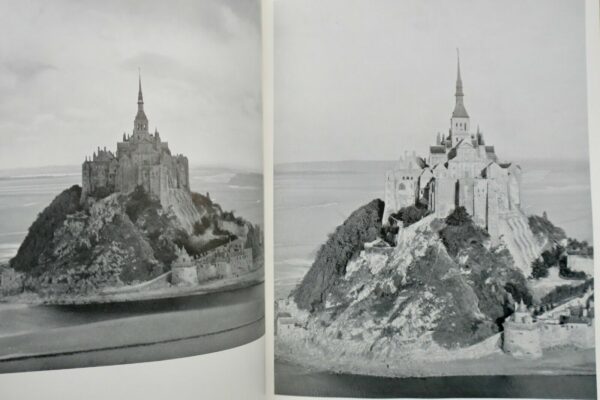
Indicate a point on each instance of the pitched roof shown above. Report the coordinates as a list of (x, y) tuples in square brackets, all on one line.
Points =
[(459, 110)]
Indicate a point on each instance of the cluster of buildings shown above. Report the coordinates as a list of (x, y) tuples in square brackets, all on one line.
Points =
[(141, 159), (462, 170), (571, 323)]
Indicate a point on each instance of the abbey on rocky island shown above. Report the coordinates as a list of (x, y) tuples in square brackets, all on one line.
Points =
[(142, 159), (461, 170)]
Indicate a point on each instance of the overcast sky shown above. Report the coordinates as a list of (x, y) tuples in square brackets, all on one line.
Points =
[(69, 70), (368, 79)]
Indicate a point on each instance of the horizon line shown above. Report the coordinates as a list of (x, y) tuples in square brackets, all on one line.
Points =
[(579, 159)]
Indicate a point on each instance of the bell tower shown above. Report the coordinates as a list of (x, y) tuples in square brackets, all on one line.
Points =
[(459, 123)]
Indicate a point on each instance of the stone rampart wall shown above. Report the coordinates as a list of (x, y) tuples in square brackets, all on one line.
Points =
[(184, 276), (522, 341), (580, 335)]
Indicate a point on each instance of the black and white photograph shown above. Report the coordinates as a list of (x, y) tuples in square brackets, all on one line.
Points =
[(131, 191), (432, 200)]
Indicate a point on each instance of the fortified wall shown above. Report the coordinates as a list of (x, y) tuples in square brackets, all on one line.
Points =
[(224, 262), (524, 337)]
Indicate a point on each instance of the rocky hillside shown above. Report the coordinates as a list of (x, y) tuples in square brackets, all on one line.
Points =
[(442, 281), (364, 225), (119, 239)]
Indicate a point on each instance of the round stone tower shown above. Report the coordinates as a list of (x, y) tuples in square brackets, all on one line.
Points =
[(521, 337)]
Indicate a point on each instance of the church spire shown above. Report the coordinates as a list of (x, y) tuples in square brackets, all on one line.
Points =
[(140, 97), (459, 87), (459, 108), (140, 123)]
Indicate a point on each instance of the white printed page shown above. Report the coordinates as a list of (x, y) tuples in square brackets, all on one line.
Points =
[(131, 199), (432, 196)]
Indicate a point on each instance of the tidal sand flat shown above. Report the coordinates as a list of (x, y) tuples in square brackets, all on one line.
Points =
[(109, 333), (294, 380)]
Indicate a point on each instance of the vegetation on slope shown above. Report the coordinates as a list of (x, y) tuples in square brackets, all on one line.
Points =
[(410, 214), (120, 239), (460, 232), (489, 273), (564, 292), (474, 286), (542, 227), (362, 226), (42, 230), (556, 256)]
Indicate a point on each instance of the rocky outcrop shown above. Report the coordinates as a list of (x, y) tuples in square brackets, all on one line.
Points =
[(122, 239), (545, 231), (42, 230), (364, 225), (441, 288)]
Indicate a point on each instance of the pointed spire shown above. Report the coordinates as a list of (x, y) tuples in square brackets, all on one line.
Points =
[(459, 108), (459, 87), (140, 97), (140, 123)]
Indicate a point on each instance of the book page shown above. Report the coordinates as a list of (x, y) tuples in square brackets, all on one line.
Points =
[(432, 199), (131, 197)]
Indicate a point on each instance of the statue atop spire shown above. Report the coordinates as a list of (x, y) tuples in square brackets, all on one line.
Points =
[(459, 108)]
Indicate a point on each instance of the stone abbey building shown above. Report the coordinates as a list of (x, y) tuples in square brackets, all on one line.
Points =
[(142, 159), (462, 170)]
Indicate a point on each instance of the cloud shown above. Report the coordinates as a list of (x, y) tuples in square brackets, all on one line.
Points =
[(25, 70), (217, 18), (68, 74)]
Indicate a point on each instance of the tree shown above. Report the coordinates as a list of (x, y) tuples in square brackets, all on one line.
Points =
[(410, 214), (458, 217), (539, 269)]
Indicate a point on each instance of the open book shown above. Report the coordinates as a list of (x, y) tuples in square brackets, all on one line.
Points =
[(230, 199)]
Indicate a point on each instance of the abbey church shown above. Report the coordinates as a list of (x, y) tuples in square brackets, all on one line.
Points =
[(141, 159), (461, 170)]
